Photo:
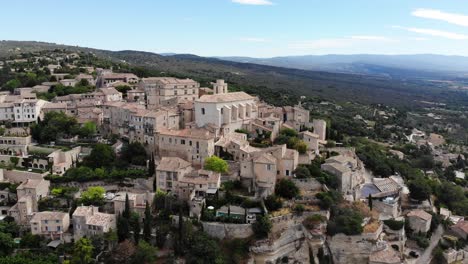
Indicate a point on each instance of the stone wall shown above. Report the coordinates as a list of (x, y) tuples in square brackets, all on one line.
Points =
[(17, 176), (227, 231)]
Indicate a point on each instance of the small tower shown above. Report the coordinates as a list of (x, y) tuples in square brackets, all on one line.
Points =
[(220, 87)]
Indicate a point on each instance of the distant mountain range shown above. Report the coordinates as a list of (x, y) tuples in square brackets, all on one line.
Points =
[(378, 79), (386, 65)]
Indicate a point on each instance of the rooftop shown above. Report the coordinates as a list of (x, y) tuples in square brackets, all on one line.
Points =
[(172, 164), (48, 215), (227, 97), (421, 214), (198, 133)]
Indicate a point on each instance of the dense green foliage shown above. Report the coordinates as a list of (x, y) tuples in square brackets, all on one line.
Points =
[(286, 189), (102, 156), (290, 137), (94, 195), (262, 226), (346, 221), (134, 153), (216, 164)]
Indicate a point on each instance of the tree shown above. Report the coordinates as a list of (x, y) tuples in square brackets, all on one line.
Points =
[(273, 202), (216, 164), (204, 249), (82, 251), (135, 225), (94, 195), (419, 189), (286, 189), (347, 221), (100, 157), (127, 211), (123, 228), (145, 253), (6, 244), (369, 200), (302, 172), (147, 223), (152, 170), (54, 126), (88, 129), (30, 241), (134, 153), (262, 226)]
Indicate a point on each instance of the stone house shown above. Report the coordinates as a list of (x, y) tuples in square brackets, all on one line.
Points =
[(161, 90), (419, 220), (88, 221), (169, 171), (198, 184), (50, 224), (193, 145), (349, 170), (460, 229), (137, 201)]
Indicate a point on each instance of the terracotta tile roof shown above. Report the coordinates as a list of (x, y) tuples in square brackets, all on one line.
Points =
[(198, 133), (48, 215), (420, 213), (228, 97), (172, 164), (167, 80), (462, 225)]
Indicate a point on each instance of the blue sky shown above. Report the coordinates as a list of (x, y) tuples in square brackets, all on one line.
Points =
[(256, 28)]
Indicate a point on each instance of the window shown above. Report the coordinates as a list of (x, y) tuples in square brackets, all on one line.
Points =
[(182, 141), (287, 172), (268, 167), (203, 111), (190, 143)]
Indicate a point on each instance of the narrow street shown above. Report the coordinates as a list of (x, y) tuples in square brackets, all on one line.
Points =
[(427, 255)]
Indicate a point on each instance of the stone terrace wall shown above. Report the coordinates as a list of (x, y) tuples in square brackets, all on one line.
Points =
[(224, 230)]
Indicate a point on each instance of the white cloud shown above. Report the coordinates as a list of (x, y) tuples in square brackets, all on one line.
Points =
[(434, 32), (372, 38), (451, 18), (253, 2), (253, 39)]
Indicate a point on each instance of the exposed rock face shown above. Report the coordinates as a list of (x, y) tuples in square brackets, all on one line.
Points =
[(292, 244), (353, 249)]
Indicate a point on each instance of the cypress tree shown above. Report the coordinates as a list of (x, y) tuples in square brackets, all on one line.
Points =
[(122, 228), (147, 224), (126, 212), (370, 201), (135, 224)]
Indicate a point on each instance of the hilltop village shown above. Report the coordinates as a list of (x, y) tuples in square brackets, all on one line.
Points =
[(101, 165)]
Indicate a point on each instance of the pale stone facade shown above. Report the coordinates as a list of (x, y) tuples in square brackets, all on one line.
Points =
[(88, 221), (137, 202), (419, 221), (193, 145), (225, 112), (160, 90), (50, 224), (169, 171)]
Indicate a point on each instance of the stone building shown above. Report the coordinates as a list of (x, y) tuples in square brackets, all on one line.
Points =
[(137, 202), (88, 221), (169, 171), (349, 170), (419, 220), (226, 112), (193, 145), (160, 90), (50, 224)]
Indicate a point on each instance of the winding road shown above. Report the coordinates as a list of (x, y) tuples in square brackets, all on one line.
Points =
[(427, 255)]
